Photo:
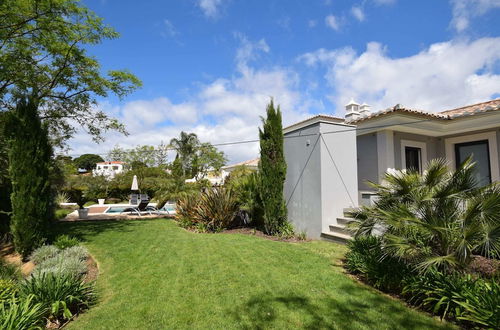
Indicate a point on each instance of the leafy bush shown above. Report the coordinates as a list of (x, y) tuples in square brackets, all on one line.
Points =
[(366, 258), (43, 253), (216, 208), (9, 271), (456, 296), (62, 265), (79, 252), (62, 295), (64, 242), (22, 314)]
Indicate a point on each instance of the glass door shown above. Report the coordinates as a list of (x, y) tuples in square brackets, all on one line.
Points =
[(480, 152)]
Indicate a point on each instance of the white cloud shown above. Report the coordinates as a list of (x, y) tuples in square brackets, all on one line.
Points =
[(464, 10), (445, 75), (332, 22), (224, 110), (384, 2), (312, 23), (210, 8), (358, 13), (169, 29)]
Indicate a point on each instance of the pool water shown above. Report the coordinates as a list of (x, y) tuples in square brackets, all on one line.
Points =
[(119, 209)]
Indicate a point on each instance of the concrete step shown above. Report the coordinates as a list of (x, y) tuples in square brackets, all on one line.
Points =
[(336, 237), (349, 210), (339, 229), (345, 220)]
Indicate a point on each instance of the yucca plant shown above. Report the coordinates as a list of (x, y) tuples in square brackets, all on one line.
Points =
[(434, 220), (217, 208), (25, 314), (62, 294)]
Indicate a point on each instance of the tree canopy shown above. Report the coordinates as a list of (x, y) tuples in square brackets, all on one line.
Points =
[(43, 53), (87, 161)]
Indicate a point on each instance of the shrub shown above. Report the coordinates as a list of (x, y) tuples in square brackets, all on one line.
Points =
[(216, 208), (43, 253), (186, 207), (437, 219), (62, 265), (64, 242), (366, 258), (22, 314), (456, 296), (9, 271), (79, 252), (62, 295)]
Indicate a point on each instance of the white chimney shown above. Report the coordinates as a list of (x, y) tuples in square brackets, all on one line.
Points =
[(364, 110), (352, 111)]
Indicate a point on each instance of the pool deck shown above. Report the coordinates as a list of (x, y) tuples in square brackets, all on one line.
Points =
[(96, 213)]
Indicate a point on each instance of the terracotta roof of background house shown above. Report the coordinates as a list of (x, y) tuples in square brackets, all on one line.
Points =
[(251, 162), (473, 109), (444, 115)]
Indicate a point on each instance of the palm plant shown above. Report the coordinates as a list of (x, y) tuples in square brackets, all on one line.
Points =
[(434, 220), (185, 146)]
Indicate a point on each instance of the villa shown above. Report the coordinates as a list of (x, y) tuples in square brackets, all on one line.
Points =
[(217, 178), (330, 159), (109, 169)]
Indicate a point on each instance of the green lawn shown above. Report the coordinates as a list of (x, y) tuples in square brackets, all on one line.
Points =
[(155, 275)]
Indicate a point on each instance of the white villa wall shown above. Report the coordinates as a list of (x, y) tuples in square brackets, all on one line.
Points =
[(323, 190), (304, 206), (339, 177)]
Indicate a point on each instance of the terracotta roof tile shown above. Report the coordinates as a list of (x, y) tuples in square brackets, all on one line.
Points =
[(492, 105)]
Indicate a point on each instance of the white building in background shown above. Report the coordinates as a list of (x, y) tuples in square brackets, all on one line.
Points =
[(217, 178), (109, 169)]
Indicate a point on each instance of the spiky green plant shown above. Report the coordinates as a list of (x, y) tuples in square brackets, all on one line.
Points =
[(25, 314), (216, 208), (435, 220), (63, 295)]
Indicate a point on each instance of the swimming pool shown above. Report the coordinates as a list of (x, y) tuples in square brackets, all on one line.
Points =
[(170, 208)]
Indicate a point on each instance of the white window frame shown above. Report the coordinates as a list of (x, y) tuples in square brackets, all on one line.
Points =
[(492, 144), (414, 144)]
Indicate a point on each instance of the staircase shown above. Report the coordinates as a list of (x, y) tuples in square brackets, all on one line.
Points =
[(338, 232)]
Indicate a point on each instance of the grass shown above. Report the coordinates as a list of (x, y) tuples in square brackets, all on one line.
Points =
[(155, 275), (62, 213)]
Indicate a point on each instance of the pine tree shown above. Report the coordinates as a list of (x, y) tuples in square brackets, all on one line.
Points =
[(272, 170), (29, 165)]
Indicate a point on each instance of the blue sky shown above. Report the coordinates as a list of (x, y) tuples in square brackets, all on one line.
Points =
[(210, 66)]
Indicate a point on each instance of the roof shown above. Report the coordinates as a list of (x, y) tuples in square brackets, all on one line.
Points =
[(473, 109), (443, 115), (109, 163), (315, 118), (251, 162)]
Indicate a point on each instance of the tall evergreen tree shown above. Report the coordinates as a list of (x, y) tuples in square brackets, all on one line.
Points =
[(29, 166), (272, 170), (5, 186)]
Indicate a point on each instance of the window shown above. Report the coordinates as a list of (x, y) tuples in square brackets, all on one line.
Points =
[(479, 151), (115, 168), (413, 159), (413, 155), (105, 167)]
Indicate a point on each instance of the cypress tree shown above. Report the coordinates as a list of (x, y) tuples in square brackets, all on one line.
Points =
[(272, 170), (29, 165)]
